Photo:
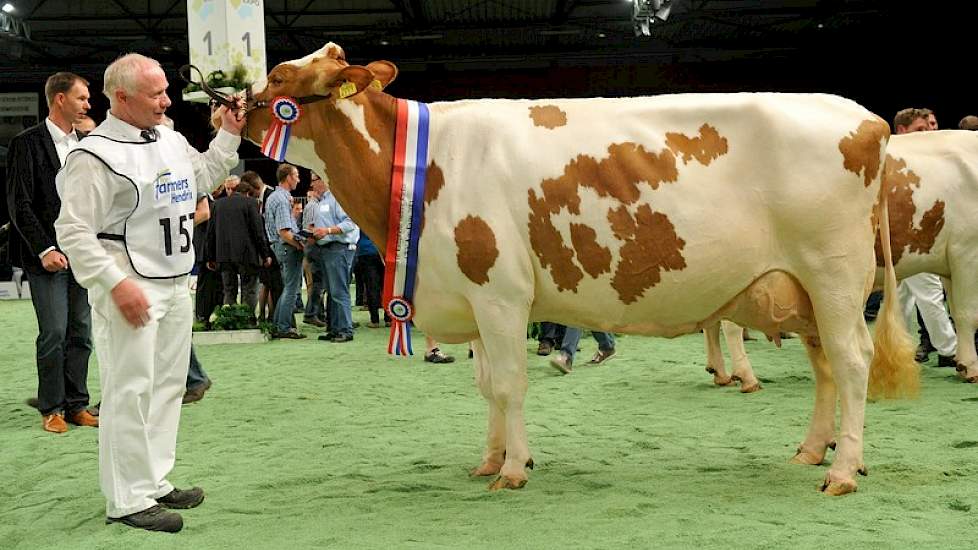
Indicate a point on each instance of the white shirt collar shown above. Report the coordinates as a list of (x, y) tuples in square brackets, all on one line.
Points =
[(120, 129), (57, 134)]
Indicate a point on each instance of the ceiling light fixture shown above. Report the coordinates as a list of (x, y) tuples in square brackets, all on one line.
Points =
[(8, 8)]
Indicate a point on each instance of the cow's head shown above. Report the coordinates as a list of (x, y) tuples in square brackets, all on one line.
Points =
[(322, 77)]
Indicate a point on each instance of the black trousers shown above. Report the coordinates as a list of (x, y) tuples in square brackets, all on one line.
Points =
[(371, 269), (210, 292), (64, 341)]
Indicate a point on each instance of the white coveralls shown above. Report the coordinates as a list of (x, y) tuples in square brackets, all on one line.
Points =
[(926, 292), (109, 235)]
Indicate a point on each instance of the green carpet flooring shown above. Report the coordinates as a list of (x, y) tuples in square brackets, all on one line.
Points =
[(307, 444)]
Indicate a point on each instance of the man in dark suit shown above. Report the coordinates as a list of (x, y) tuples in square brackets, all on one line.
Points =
[(63, 315), (236, 242)]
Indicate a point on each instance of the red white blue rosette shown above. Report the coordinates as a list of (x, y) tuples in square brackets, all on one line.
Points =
[(285, 111), (401, 313)]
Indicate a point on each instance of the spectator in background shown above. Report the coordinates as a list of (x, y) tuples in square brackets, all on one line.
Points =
[(282, 230), (925, 290), (969, 122), (370, 271), (64, 321), (84, 125), (336, 235), (236, 244)]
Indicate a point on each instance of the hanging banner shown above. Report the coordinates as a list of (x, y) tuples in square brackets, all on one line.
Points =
[(227, 34)]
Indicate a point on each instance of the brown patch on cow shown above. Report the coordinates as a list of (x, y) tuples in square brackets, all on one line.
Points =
[(620, 176), (708, 146), (548, 245), (861, 149), (595, 258), (434, 181), (651, 246), (477, 250), (900, 182), (548, 116)]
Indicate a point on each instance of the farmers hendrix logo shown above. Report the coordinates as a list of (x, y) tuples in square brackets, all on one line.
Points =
[(177, 191)]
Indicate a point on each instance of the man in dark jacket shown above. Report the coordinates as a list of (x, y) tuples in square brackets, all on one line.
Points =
[(236, 243), (63, 315)]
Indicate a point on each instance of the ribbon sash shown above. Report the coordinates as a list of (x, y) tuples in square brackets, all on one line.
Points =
[(404, 220)]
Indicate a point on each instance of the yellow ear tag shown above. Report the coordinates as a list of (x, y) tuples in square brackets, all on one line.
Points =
[(347, 89), (377, 85)]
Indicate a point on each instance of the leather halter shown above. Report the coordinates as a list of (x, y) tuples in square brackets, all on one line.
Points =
[(222, 99)]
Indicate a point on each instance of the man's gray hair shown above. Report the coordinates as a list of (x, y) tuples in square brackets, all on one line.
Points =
[(122, 73)]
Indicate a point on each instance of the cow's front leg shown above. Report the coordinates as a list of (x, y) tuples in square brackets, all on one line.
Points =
[(822, 428), (503, 337), (714, 355), (963, 299), (495, 453), (742, 369)]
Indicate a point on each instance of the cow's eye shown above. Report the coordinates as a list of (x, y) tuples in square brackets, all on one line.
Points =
[(276, 81)]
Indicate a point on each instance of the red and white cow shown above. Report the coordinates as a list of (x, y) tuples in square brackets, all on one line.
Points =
[(931, 181), (651, 215)]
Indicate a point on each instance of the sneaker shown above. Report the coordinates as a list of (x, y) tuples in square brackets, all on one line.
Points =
[(182, 499), (601, 356), (156, 518), (922, 355), (946, 361), (436, 356), (562, 362), (545, 348), (373, 325), (313, 321), (341, 338)]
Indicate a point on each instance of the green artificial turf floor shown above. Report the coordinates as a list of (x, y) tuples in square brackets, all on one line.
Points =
[(307, 444)]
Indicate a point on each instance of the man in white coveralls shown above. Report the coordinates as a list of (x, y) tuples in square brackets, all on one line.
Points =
[(126, 222)]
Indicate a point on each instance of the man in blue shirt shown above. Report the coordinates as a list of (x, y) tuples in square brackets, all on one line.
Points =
[(282, 229), (336, 236)]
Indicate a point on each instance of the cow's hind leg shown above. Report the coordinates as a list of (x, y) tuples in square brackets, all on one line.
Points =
[(821, 431), (495, 453), (714, 355), (963, 299), (742, 371), (849, 349), (502, 333)]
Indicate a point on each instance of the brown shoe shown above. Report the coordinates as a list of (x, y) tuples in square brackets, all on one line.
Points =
[(83, 418), (55, 423)]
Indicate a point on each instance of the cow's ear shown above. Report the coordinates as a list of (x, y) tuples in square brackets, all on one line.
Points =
[(384, 73), (346, 83)]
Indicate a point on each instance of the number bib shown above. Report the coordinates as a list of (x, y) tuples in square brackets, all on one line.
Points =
[(158, 232)]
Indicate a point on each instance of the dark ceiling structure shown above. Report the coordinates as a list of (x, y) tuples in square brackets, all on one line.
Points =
[(42, 36)]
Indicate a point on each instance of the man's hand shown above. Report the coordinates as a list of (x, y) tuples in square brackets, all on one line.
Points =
[(233, 120), (132, 302), (54, 261), (320, 232), (268, 262), (212, 266)]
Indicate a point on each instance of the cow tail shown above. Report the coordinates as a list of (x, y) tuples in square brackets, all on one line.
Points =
[(893, 372)]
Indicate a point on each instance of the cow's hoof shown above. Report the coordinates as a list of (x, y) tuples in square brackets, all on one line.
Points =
[(486, 469), (750, 388), (807, 458), (969, 379), (506, 482), (838, 488), (722, 381)]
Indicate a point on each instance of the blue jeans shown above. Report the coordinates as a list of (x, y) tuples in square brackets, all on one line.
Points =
[(605, 340), (196, 377), (290, 259), (314, 305), (337, 264), (64, 342)]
